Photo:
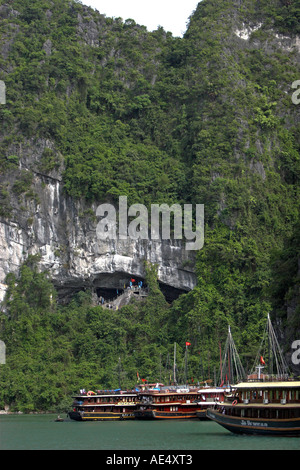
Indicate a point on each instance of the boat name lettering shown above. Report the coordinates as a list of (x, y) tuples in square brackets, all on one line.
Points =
[(253, 423)]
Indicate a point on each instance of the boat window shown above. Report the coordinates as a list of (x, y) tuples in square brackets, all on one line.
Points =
[(245, 395)]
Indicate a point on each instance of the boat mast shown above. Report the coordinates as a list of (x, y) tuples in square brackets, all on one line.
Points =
[(231, 370), (221, 362), (174, 365), (185, 365), (119, 372), (273, 352)]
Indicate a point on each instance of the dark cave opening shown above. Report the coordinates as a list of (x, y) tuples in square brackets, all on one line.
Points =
[(110, 286)]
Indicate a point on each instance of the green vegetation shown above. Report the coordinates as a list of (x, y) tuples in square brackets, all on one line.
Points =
[(53, 350), (206, 118)]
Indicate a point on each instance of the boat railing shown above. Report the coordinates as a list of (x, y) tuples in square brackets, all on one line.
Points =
[(77, 403), (107, 392), (125, 403), (269, 378)]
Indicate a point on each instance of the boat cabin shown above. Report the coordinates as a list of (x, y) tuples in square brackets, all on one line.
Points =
[(268, 392)]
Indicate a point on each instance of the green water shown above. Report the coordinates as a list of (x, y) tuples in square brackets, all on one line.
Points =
[(41, 432)]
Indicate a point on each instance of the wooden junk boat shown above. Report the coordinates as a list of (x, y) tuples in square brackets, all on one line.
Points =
[(176, 402), (209, 398), (231, 370), (270, 408), (103, 405), (265, 404), (157, 401)]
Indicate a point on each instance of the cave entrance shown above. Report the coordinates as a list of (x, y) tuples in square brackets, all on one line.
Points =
[(170, 293), (111, 286)]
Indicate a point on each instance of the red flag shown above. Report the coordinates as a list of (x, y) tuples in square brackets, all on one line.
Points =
[(262, 360), (187, 343), (132, 280), (144, 380)]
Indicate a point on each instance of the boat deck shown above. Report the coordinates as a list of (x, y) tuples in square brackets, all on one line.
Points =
[(261, 405)]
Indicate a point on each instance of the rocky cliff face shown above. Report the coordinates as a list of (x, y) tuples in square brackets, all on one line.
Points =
[(38, 216), (45, 221)]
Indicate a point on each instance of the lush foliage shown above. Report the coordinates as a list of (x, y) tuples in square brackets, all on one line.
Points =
[(52, 351), (207, 118)]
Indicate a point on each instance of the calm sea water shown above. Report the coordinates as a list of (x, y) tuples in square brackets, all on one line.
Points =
[(41, 432)]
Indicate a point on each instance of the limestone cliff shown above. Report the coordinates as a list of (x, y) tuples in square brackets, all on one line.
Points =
[(99, 107), (62, 230), (38, 216)]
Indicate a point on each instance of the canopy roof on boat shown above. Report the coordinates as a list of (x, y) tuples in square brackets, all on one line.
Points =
[(261, 385)]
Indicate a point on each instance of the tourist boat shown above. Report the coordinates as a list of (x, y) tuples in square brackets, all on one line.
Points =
[(270, 408), (209, 398), (167, 403), (176, 402), (231, 369), (267, 404), (156, 401), (104, 405)]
